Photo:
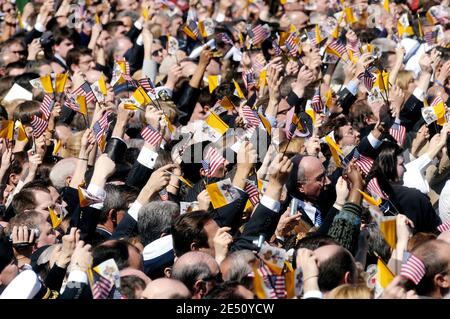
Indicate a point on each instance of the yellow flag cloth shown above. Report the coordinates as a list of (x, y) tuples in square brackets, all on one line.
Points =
[(335, 150), (369, 199), (61, 80), (21, 135), (384, 275), (349, 16), (81, 100), (102, 84), (56, 147), (7, 129), (213, 82), (239, 92), (214, 121), (310, 111), (47, 85), (386, 6), (389, 230), (222, 193), (56, 221)]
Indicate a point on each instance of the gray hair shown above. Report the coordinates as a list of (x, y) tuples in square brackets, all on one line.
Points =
[(63, 169), (191, 267), (155, 218), (133, 15), (239, 266)]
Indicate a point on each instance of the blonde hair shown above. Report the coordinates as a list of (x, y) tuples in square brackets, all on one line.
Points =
[(72, 147), (404, 78), (348, 291)]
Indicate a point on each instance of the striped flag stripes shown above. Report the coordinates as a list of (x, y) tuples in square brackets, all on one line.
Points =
[(151, 136), (337, 46), (250, 116), (148, 85), (85, 90), (363, 162), (46, 106), (398, 132), (214, 160), (102, 288), (374, 188), (252, 192), (413, 269), (316, 102), (444, 227), (39, 126), (100, 127), (368, 78)]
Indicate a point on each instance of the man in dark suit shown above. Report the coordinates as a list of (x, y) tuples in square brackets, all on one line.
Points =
[(306, 182)]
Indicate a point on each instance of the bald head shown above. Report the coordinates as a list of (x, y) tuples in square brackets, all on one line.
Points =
[(193, 259), (166, 288), (298, 18), (62, 172), (198, 271), (307, 166)]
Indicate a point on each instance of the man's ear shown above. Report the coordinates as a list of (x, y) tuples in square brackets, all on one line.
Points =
[(113, 215), (442, 281), (347, 278), (68, 180), (74, 68), (168, 272), (300, 187), (200, 288), (194, 246)]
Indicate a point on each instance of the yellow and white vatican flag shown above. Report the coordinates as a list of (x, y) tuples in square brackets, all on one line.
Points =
[(222, 193), (212, 129), (435, 112)]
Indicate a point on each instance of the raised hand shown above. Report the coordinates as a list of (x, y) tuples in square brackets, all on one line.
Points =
[(81, 257), (203, 200), (287, 223), (396, 97), (222, 241)]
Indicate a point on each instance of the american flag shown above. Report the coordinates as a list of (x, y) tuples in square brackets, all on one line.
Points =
[(258, 34), (291, 43), (444, 227), (368, 78), (100, 127), (192, 25), (312, 37), (275, 284), (148, 85), (398, 132), (250, 116), (39, 126), (252, 192), (249, 77), (363, 162), (151, 135), (276, 47), (337, 46), (102, 288), (85, 90), (413, 269), (225, 38), (69, 101), (47, 106), (375, 190), (206, 167), (214, 160), (430, 38), (164, 195), (436, 101), (316, 102)]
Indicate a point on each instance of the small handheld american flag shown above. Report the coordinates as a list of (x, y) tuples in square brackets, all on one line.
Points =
[(85, 90), (39, 126), (148, 85), (151, 136), (101, 288), (413, 269), (214, 160), (368, 78), (100, 127), (250, 116), (47, 106), (252, 192)]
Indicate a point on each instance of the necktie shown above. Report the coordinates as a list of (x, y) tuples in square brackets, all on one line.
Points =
[(317, 219)]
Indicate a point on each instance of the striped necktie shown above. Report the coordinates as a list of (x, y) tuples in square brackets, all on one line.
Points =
[(317, 219)]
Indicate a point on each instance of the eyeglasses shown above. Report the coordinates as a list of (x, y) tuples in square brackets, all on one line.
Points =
[(157, 52)]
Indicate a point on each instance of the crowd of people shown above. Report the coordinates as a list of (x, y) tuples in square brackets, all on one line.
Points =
[(229, 149)]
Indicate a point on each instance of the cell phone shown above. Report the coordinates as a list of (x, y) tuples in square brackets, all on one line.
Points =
[(293, 207)]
